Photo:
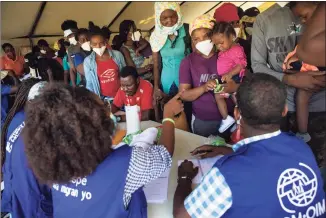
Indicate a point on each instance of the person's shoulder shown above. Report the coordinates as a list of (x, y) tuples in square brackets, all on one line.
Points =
[(120, 94), (118, 56), (272, 11), (3, 59), (145, 84), (89, 57), (17, 121), (19, 116), (238, 48), (116, 53), (21, 58), (5, 89), (188, 58)]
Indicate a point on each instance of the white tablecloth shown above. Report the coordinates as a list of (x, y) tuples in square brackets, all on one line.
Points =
[(184, 143)]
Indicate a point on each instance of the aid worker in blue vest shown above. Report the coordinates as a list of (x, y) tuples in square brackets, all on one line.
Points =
[(23, 195), (268, 174), (89, 178)]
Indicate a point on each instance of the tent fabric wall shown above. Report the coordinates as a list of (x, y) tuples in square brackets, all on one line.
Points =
[(17, 18)]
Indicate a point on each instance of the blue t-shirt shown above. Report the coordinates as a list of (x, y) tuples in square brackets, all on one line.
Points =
[(5, 91), (23, 195)]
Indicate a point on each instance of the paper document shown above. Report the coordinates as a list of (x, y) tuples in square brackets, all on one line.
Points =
[(157, 190), (204, 166)]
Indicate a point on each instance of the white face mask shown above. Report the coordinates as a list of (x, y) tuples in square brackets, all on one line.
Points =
[(99, 51), (170, 30), (32, 72), (56, 53), (205, 47), (86, 46), (237, 30), (73, 41), (136, 36), (43, 51)]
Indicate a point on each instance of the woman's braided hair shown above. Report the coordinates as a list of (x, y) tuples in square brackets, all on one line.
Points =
[(20, 100)]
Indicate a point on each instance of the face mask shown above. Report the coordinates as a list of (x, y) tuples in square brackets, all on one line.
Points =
[(170, 30), (237, 30), (99, 51), (32, 72), (43, 51), (249, 30), (205, 47), (238, 121), (56, 53), (136, 36), (73, 41), (86, 46)]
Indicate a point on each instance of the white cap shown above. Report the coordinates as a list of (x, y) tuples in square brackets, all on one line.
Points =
[(67, 32)]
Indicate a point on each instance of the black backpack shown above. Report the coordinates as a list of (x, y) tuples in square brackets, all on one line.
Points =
[(187, 40)]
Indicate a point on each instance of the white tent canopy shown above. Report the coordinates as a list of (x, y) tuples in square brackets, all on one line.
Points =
[(26, 22)]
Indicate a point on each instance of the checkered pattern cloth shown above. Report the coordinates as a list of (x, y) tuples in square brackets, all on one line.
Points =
[(254, 139), (145, 166), (213, 197)]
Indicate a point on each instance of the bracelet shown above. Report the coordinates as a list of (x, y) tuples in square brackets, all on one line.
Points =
[(169, 120), (184, 178)]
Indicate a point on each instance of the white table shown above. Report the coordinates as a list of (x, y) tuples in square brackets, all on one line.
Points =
[(184, 143)]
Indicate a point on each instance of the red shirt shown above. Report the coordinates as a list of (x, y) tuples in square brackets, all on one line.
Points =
[(143, 97), (108, 75), (17, 66)]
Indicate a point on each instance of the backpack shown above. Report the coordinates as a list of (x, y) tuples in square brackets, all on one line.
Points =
[(187, 40)]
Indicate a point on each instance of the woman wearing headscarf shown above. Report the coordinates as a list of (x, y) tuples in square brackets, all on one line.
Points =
[(198, 72), (170, 41)]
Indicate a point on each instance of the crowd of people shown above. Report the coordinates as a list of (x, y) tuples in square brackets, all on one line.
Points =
[(239, 71)]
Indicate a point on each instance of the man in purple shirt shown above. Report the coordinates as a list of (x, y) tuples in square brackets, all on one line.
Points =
[(198, 72)]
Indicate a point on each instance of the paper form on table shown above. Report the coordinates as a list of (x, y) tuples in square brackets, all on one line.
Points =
[(157, 190), (204, 166)]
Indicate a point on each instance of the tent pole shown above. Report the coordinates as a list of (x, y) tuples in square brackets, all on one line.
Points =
[(31, 42), (118, 15), (37, 19)]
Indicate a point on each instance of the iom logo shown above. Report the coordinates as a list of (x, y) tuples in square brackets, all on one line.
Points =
[(297, 188)]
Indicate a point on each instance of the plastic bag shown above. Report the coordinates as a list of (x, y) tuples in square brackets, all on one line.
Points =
[(128, 138), (214, 140)]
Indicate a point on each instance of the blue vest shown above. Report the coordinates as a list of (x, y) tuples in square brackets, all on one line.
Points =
[(23, 196), (276, 177), (100, 195)]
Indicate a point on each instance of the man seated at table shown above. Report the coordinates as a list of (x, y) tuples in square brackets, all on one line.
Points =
[(268, 174), (133, 91)]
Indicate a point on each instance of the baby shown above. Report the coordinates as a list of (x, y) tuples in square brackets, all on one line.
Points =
[(231, 64)]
